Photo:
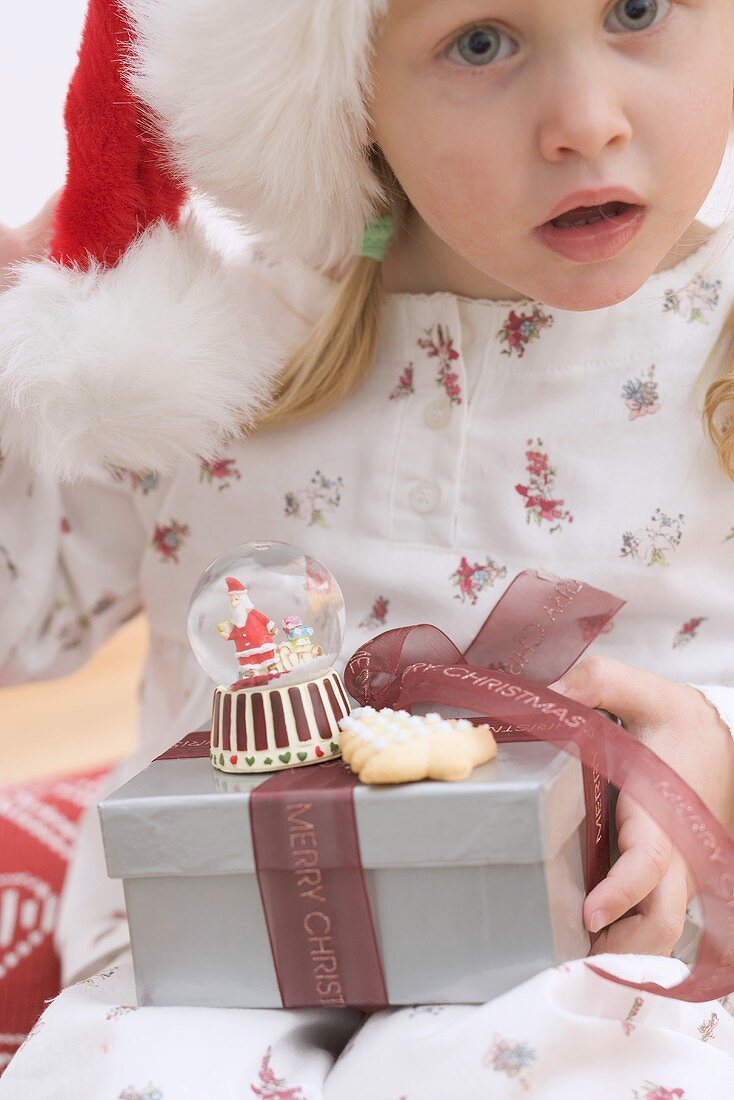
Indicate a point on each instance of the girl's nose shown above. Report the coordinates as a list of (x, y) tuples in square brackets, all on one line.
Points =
[(581, 107)]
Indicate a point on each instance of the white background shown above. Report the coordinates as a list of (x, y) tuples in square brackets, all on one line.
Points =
[(38, 43)]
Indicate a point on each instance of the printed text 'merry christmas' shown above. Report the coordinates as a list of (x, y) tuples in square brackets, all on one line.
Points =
[(317, 923)]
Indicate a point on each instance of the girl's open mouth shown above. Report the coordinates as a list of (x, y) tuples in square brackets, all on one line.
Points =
[(590, 233)]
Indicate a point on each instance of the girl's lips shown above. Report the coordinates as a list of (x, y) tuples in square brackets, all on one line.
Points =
[(599, 241)]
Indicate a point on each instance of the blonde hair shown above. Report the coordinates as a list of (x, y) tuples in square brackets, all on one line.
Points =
[(718, 403), (330, 364), (339, 351)]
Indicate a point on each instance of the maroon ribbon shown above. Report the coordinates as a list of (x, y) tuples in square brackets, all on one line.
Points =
[(193, 746), (313, 891), (536, 631)]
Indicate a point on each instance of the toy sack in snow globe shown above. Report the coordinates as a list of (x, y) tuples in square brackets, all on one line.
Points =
[(266, 623)]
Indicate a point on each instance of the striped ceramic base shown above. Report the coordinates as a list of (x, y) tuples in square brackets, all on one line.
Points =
[(279, 727)]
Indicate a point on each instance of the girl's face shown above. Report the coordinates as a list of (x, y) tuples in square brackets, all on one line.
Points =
[(491, 113)]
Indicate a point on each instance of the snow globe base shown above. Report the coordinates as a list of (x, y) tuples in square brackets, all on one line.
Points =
[(277, 727)]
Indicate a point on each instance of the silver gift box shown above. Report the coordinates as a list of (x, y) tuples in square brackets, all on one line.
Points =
[(473, 886)]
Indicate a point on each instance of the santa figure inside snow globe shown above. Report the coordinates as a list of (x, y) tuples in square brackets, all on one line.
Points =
[(278, 699), (252, 633)]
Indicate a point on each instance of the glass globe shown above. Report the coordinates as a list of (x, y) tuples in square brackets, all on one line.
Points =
[(266, 614)]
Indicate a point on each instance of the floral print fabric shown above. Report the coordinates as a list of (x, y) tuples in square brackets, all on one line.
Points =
[(565, 1033), (696, 300), (519, 329), (540, 504), (439, 345)]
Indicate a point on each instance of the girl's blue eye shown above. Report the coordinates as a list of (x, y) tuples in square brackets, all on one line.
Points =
[(479, 46), (638, 15), (482, 45)]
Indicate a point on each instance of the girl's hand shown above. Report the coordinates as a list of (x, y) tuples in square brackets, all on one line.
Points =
[(650, 881), (28, 242)]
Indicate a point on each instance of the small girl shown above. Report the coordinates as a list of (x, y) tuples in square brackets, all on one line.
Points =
[(526, 360)]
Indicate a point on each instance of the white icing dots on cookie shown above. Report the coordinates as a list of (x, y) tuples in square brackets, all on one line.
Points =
[(394, 746), (381, 728)]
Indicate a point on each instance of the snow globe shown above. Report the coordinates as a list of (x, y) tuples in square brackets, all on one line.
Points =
[(266, 623)]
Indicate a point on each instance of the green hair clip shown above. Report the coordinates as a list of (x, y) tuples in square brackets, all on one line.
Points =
[(377, 235)]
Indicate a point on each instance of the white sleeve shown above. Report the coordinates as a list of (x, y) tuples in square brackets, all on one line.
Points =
[(69, 564), (721, 696)]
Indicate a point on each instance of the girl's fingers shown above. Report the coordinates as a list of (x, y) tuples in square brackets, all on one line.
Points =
[(645, 854), (657, 926), (28, 242), (633, 694)]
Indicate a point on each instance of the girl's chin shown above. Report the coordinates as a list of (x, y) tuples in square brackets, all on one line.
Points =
[(587, 290)]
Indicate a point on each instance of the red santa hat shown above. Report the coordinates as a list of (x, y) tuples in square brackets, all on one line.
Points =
[(128, 345), (233, 585), (119, 180)]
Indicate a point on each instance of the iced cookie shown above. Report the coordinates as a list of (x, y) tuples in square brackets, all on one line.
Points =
[(393, 746)]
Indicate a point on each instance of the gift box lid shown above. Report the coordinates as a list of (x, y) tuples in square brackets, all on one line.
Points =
[(183, 817)]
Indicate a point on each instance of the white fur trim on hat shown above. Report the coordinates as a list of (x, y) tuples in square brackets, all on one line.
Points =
[(262, 107), (153, 361)]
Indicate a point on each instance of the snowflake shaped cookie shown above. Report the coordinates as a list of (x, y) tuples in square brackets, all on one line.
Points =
[(393, 746)]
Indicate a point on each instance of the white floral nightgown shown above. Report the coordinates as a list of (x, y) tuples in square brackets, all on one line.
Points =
[(489, 437)]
